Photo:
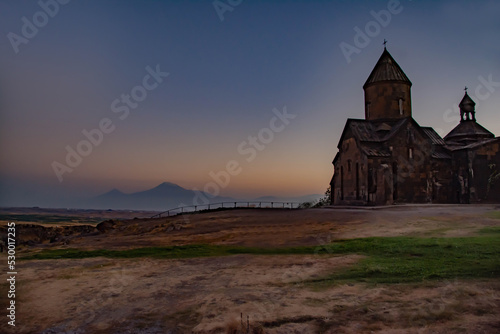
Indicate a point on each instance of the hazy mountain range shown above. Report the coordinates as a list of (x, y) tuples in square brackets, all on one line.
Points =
[(169, 195)]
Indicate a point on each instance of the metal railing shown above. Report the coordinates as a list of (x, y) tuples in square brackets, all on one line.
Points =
[(226, 205)]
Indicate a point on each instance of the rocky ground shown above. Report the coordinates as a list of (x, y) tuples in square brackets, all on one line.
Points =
[(266, 294)]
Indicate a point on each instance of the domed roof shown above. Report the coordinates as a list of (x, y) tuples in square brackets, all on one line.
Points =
[(468, 131)]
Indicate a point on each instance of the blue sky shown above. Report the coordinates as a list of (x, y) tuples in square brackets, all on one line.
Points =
[(225, 78)]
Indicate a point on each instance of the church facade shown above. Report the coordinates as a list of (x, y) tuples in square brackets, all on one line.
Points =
[(388, 158)]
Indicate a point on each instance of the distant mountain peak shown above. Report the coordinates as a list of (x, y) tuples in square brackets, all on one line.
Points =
[(164, 196), (167, 184)]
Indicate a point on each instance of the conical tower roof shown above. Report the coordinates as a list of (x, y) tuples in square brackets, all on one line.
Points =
[(467, 103), (386, 69)]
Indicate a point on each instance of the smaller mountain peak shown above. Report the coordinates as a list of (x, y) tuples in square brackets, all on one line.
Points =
[(113, 192)]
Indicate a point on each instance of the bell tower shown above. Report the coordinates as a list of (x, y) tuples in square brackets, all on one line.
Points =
[(467, 108), (387, 91), (468, 130)]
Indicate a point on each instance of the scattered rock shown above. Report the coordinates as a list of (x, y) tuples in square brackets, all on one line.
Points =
[(106, 225), (32, 234)]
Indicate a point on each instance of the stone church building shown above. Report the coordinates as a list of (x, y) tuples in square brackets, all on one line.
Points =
[(388, 158)]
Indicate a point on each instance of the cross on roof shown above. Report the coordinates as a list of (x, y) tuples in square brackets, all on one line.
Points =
[(466, 89), (385, 42)]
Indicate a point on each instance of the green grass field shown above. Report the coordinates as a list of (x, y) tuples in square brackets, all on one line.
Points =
[(493, 214), (387, 259)]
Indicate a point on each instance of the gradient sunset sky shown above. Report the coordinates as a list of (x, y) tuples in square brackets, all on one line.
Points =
[(225, 78)]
